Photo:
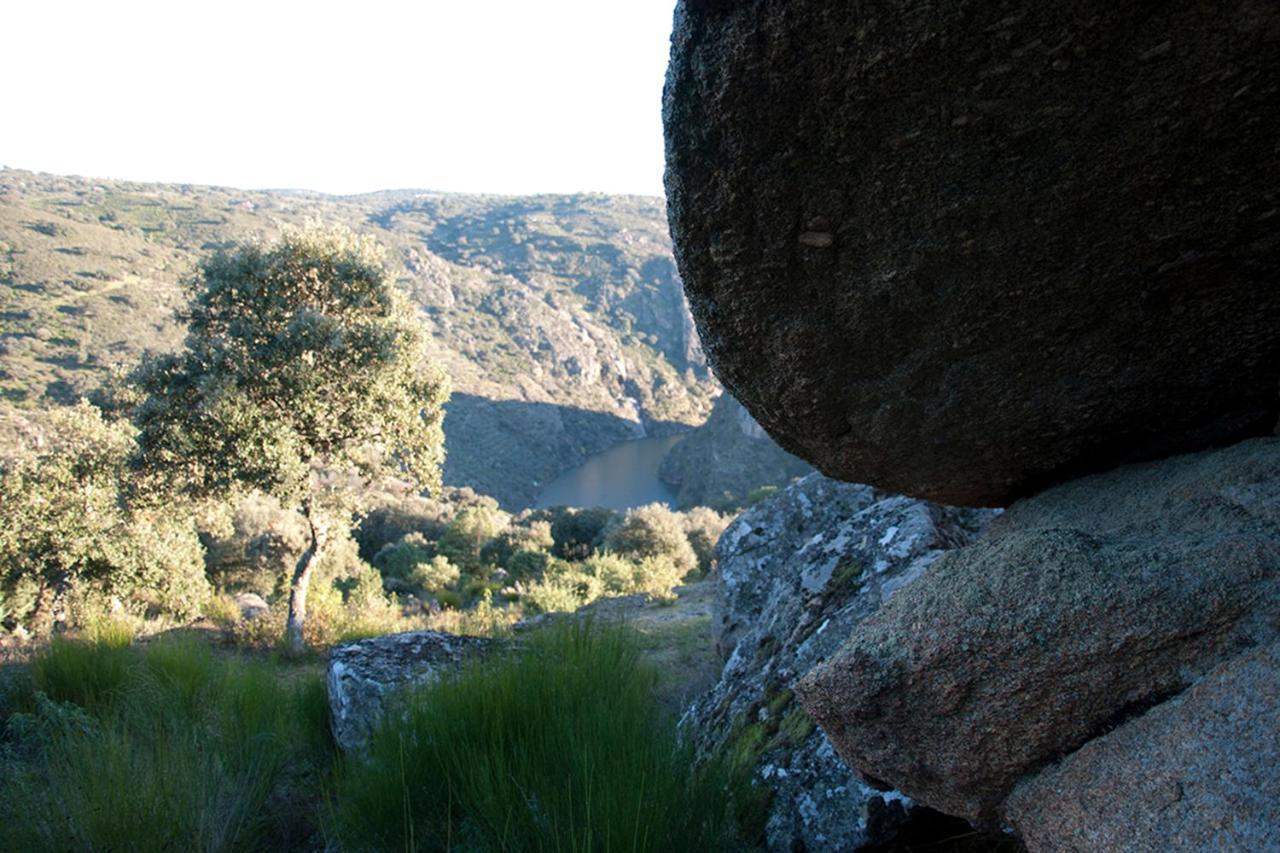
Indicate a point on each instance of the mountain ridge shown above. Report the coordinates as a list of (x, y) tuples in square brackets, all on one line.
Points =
[(559, 317)]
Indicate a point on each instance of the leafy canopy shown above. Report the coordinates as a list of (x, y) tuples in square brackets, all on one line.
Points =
[(302, 370), (62, 477)]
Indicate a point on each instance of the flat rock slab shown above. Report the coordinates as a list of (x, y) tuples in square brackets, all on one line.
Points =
[(364, 674), (1081, 607), (963, 251), (1199, 772)]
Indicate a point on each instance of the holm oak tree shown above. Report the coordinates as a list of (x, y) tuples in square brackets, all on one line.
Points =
[(302, 375)]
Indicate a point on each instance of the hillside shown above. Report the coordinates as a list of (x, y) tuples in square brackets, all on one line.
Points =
[(560, 318), (725, 459)]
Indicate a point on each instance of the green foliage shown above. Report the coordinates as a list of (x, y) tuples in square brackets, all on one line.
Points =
[(179, 750), (703, 527), (525, 565), (653, 531), (435, 576), (302, 368), (576, 533), (554, 747), (390, 519), (68, 531), (466, 536), (523, 534), (302, 374), (399, 559), (755, 496)]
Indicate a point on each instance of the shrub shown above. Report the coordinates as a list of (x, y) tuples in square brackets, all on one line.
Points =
[(652, 531), (390, 519), (471, 529), (703, 527), (435, 576), (576, 533), (655, 576), (525, 565), (558, 745), (68, 530), (517, 538), (399, 559)]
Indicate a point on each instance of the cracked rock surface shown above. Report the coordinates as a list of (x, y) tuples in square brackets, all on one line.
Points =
[(796, 574), (1082, 608), (363, 675)]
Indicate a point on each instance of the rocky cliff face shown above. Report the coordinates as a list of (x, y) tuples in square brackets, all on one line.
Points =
[(725, 459), (560, 318), (963, 253), (1023, 256)]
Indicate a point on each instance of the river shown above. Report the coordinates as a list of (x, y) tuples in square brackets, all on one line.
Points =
[(624, 476)]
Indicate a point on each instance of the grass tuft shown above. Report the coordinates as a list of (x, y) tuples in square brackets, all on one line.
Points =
[(163, 747), (558, 746)]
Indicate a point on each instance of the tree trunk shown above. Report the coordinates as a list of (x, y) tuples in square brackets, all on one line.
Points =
[(302, 581)]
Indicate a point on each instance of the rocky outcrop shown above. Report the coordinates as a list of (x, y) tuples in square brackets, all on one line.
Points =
[(251, 605), (965, 251), (796, 574), (363, 675), (1208, 773), (1082, 607), (721, 462)]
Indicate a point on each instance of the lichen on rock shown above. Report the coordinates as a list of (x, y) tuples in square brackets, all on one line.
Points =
[(796, 574)]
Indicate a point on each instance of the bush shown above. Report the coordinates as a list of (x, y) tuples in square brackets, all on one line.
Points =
[(262, 545), (652, 531), (471, 529), (399, 559), (655, 576), (576, 533), (703, 527), (519, 537), (393, 518), (526, 565), (558, 746), (436, 576), (69, 532)]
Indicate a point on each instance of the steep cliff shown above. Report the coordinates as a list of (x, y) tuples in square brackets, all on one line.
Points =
[(721, 462)]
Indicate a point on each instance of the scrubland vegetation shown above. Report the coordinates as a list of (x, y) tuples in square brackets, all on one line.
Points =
[(170, 745), (290, 452), (282, 452)]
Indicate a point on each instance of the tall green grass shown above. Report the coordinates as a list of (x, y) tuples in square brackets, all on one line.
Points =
[(167, 747), (558, 746)]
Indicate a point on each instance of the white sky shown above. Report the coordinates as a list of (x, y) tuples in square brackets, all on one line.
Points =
[(508, 96)]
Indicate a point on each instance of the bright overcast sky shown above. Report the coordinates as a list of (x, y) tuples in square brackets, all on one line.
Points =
[(505, 96)]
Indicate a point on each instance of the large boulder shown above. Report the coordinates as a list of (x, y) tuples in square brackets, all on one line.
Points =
[(796, 574), (1080, 608), (364, 675), (1199, 772), (963, 251)]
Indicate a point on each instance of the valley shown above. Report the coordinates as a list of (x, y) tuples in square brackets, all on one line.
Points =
[(559, 319)]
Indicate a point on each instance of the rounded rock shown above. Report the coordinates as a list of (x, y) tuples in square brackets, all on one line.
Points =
[(963, 252)]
